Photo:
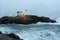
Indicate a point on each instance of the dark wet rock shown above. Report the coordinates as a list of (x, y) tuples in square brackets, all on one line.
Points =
[(11, 36), (28, 19), (0, 32), (46, 19)]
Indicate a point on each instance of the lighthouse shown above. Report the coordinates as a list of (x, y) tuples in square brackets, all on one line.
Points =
[(26, 12)]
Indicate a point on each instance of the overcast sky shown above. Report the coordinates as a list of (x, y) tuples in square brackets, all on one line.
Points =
[(48, 8)]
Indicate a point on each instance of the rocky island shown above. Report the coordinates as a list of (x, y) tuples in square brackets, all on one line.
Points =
[(24, 19)]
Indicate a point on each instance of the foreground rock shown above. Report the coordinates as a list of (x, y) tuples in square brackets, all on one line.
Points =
[(28, 19), (9, 37)]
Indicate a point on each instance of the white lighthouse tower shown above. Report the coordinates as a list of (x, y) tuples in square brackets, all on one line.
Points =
[(26, 13)]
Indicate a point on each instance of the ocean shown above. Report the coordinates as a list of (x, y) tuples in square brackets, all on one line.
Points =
[(39, 31)]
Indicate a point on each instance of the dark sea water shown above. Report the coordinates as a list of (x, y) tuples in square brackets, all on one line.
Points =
[(39, 31)]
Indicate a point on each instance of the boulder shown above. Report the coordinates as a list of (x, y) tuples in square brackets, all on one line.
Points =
[(10, 36)]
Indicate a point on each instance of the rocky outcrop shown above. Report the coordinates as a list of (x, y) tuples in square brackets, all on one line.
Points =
[(12, 35), (9, 37), (28, 19), (46, 19)]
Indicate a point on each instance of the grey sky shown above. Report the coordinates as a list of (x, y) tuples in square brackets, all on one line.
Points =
[(49, 8)]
